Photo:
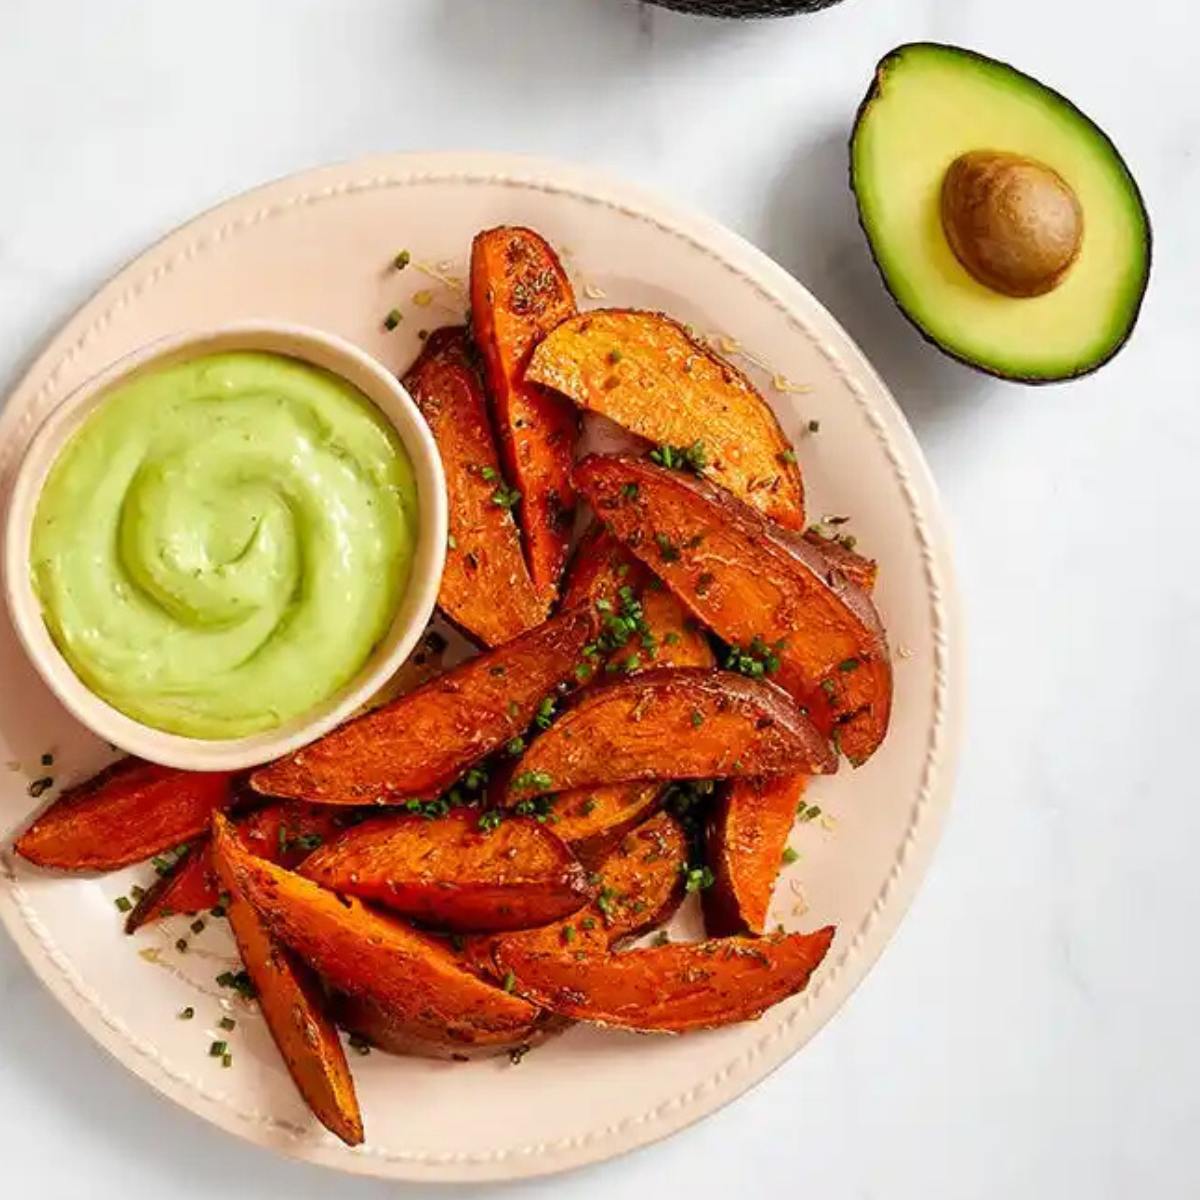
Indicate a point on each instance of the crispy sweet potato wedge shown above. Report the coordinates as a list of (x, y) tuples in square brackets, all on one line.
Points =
[(191, 887), (590, 820), (603, 571), (450, 873), (291, 1001), (285, 833), (419, 744), (124, 815), (373, 1023), (674, 988), (600, 566), (745, 578), (486, 589), (519, 292), (415, 977), (673, 723), (643, 371), (288, 832), (641, 886), (860, 571), (746, 834)]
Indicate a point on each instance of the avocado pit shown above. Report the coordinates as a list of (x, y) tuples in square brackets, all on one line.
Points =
[(1014, 223)]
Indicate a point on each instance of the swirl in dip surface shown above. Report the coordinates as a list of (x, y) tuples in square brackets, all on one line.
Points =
[(222, 543)]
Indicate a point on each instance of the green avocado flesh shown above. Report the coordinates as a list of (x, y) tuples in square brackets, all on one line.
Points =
[(930, 104)]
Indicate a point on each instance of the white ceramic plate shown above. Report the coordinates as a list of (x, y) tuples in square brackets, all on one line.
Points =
[(316, 249)]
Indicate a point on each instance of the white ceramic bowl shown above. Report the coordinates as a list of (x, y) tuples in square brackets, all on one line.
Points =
[(312, 346)]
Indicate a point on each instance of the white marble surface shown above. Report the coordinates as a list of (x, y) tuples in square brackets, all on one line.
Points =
[(1031, 1031)]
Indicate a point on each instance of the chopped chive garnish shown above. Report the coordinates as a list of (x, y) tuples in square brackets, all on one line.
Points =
[(137, 891), (181, 945), (402, 260), (198, 925), (789, 855), (510, 982), (227, 1059), (681, 458), (186, 1014), (123, 904), (227, 1023), (697, 718), (393, 319), (217, 1049), (540, 781), (239, 981)]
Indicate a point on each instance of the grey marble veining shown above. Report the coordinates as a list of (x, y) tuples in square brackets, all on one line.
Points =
[(1031, 1031)]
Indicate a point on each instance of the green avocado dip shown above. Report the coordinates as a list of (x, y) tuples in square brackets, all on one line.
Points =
[(223, 542)]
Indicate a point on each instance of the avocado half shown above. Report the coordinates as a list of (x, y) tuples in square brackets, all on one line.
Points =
[(746, 8), (1004, 222)]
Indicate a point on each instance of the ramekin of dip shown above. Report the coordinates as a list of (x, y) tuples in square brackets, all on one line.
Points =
[(226, 543)]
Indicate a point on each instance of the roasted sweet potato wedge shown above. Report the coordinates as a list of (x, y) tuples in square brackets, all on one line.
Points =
[(746, 579), (674, 988), (746, 834), (600, 566), (643, 371), (602, 571), (375, 1025), (419, 744), (861, 572), (679, 639), (486, 589), (288, 832), (291, 1001), (672, 723), (414, 976), (451, 874), (124, 815), (605, 574), (641, 885), (285, 833), (190, 887), (590, 820), (519, 292)]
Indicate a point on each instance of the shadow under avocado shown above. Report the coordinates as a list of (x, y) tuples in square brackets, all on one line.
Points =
[(566, 49), (810, 227)]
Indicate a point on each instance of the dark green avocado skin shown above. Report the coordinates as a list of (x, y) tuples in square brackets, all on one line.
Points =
[(984, 368), (746, 8)]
